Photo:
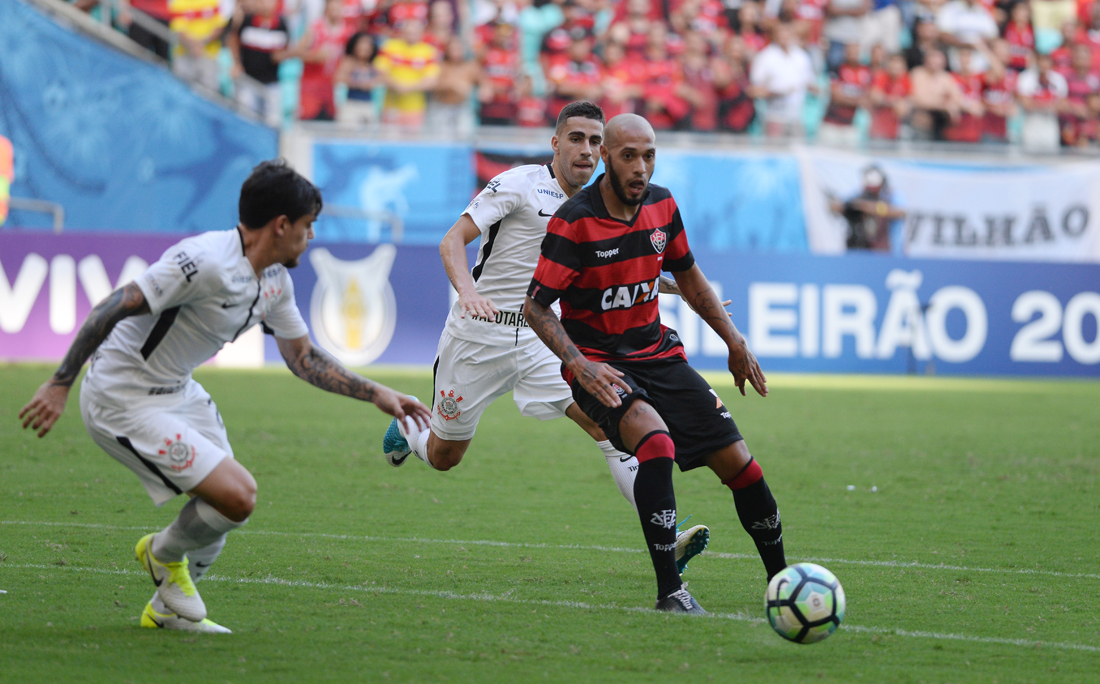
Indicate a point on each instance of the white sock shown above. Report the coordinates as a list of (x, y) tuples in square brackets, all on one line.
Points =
[(624, 469), (420, 448), (197, 526), (200, 560)]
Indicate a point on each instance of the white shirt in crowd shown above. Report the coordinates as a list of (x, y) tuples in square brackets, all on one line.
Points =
[(1027, 84), (786, 72), (969, 23)]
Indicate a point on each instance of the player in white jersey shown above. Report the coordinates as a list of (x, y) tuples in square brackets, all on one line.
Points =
[(141, 405), (487, 348)]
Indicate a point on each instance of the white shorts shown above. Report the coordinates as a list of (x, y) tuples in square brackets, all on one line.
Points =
[(171, 442), (469, 376)]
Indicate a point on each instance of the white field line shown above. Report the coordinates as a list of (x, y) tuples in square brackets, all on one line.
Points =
[(506, 597), (583, 547)]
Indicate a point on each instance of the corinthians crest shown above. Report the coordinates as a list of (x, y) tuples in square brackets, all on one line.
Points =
[(180, 453), (448, 405), (353, 311)]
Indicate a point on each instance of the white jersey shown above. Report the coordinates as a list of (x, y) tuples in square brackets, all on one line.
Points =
[(202, 293), (511, 212)]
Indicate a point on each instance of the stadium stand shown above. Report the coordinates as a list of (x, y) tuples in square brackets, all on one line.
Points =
[(1013, 72)]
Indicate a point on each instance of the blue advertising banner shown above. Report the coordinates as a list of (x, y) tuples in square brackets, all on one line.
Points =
[(860, 313), (118, 142), (736, 202), (866, 313), (424, 186), (372, 303)]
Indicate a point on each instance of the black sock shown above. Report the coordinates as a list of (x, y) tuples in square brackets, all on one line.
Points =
[(760, 517), (657, 510)]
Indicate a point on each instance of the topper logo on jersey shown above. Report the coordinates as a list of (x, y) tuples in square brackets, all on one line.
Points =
[(352, 309), (659, 239), (626, 296)]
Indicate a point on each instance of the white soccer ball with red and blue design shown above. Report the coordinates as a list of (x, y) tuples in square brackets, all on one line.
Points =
[(804, 603)]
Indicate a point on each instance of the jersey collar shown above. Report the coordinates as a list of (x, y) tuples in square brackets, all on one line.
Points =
[(550, 168)]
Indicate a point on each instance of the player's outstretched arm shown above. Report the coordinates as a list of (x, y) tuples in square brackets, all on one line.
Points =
[(49, 401), (452, 249), (596, 378), (698, 293), (669, 286), (319, 369)]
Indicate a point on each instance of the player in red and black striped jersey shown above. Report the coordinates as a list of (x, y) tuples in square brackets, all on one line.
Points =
[(602, 257)]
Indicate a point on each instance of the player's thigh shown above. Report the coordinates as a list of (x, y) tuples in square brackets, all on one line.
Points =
[(156, 442), (203, 415), (609, 418), (697, 419), (541, 391), (467, 378)]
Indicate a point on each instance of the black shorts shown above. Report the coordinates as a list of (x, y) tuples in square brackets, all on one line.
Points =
[(698, 422)]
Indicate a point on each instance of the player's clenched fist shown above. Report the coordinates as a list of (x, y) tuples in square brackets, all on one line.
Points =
[(45, 408)]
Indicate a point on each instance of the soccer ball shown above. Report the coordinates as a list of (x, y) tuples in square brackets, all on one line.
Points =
[(804, 603)]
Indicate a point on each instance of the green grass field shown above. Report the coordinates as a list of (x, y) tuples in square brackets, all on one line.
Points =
[(974, 561)]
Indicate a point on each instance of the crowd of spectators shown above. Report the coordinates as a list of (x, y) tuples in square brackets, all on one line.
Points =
[(843, 71)]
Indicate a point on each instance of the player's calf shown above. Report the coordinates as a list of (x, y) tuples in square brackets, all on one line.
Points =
[(758, 512), (656, 502)]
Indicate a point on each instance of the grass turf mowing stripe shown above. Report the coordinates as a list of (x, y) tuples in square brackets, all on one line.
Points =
[(581, 547), (507, 598)]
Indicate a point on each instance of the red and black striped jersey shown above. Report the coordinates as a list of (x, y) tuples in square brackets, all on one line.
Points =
[(606, 272)]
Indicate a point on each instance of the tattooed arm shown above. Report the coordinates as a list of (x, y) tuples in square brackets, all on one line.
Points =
[(319, 369), (697, 292), (596, 378), (48, 402), (669, 286)]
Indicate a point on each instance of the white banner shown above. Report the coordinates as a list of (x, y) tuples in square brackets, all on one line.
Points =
[(963, 211)]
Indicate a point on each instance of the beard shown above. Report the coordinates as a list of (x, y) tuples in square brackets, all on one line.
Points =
[(619, 188)]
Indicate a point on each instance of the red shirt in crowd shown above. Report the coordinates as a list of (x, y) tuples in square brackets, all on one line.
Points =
[(1020, 43), (813, 13), (531, 112), (711, 18), (571, 72), (884, 119), (316, 95), (968, 127), (663, 76), (624, 74), (555, 47), (1063, 59), (853, 80), (704, 117), (736, 109), (997, 94), (501, 67), (1078, 89)]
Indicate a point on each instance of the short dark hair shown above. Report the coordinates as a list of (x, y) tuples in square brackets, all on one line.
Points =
[(581, 108), (349, 48), (274, 189)]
